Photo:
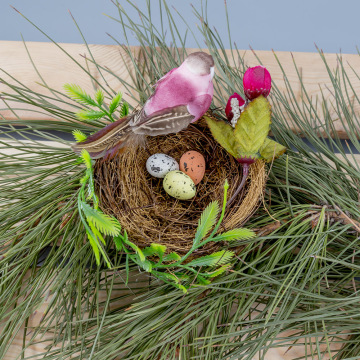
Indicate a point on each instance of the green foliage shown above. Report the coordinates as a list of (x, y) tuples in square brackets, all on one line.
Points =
[(96, 223), (163, 267), (235, 234), (124, 110), (79, 95), (76, 93), (216, 259), (223, 133), (88, 115), (252, 128), (99, 97), (207, 221), (271, 150), (79, 135), (115, 102), (249, 138), (104, 223)]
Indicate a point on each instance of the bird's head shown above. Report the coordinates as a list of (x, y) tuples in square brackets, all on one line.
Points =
[(200, 63)]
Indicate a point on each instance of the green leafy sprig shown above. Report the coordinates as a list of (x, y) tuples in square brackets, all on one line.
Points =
[(96, 223), (76, 93), (177, 271)]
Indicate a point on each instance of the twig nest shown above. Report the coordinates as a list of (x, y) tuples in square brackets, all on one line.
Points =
[(138, 200)]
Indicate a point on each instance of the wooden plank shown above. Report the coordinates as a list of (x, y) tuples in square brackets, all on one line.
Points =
[(57, 69)]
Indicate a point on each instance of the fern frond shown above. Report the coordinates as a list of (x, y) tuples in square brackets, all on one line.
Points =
[(235, 234), (207, 220), (218, 271), (124, 111), (79, 135), (218, 258), (172, 257), (85, 156), (154, 249), (94, 247), (90, 114), (99, 97), (104, 223), (115, 102), (76, 93)]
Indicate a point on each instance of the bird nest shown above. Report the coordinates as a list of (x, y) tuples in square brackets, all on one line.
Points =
[(129, 193)]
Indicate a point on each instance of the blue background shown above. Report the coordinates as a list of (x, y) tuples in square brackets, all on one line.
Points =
[(281, 25)]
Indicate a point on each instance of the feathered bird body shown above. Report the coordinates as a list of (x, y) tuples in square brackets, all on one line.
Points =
[(182, 96)]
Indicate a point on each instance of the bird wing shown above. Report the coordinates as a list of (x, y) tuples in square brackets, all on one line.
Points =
[(165, 121), (111, 137)]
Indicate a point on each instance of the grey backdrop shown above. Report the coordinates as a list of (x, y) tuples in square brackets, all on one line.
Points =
[(279, 24)]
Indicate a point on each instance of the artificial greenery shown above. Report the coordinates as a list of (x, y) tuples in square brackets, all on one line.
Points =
[(299, 275), (249, 139), (76, 93)]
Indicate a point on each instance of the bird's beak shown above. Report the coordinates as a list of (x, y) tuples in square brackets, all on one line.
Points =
[(212, 72)]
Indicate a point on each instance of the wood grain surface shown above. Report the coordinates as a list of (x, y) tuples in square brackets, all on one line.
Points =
[(57, 68)]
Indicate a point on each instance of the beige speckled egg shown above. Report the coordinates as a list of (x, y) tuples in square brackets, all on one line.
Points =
[(192, 163), (179, 185)]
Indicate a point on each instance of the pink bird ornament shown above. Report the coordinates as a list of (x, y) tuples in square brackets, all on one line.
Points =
[(256, 82), (181, 97)]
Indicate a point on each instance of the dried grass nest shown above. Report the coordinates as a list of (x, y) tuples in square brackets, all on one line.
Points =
[(130, 194)]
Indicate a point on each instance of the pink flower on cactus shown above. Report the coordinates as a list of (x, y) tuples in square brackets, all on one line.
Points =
[(234, 107), (257, 81)]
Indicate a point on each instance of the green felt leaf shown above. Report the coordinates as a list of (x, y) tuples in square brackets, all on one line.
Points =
[(115, 102), (79, 135), (271, 150), (223, 133), (76, 93), (207, 221), (90, 114), (99, 97), (253, 127), (235, 234), (218, 258)]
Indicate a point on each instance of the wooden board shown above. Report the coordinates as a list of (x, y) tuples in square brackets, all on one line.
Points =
[(57, 69)]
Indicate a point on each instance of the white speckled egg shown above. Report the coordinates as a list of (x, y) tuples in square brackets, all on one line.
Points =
[(159, 165), (179, 185)]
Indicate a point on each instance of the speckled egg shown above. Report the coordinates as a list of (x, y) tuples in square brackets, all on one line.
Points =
[(159, 165), (179, 185), (192, 163)]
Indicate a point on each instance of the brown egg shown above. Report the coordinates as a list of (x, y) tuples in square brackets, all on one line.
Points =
[(192, 163)]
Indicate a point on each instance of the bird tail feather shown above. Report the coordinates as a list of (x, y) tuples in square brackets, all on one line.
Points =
[(108, 141)]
